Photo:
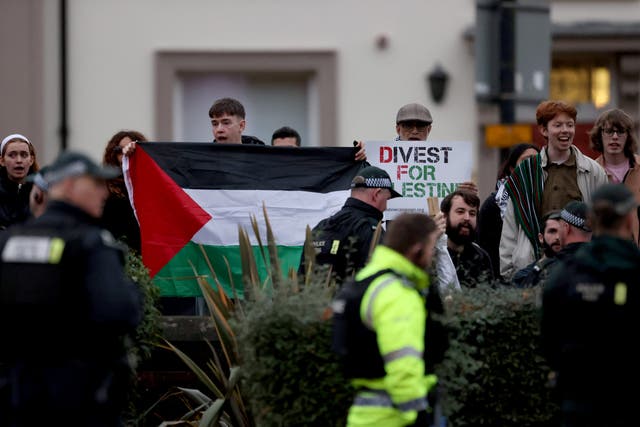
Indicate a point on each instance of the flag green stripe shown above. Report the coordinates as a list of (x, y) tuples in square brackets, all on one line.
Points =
[(177, 279)]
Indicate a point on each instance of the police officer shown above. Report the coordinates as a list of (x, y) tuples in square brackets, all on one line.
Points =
[(590, 317), (379, 327), (65, 306), (343, 240)]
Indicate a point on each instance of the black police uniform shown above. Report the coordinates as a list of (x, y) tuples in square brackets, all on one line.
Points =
[(65, 307), (590, 318), (344, 239)]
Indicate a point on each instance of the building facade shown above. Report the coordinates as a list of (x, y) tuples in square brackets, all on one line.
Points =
[(77, 71)]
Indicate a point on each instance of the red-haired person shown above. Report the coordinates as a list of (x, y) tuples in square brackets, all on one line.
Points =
[(545, 182)]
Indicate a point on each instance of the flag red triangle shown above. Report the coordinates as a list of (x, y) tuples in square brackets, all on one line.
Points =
[(168, 217)]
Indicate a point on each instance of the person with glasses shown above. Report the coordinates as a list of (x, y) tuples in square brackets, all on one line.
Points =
[(613, 136), (547, 181), (413, 123)]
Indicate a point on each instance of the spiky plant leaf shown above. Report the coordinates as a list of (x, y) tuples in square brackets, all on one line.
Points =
[(276, 269), (196, 395), (212, 415), (256, 233), (249, 266), (374, 240), (200, 374), (223, 296)]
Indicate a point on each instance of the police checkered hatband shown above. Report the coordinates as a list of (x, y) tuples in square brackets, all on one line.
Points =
[(574, 220), (374, 183)]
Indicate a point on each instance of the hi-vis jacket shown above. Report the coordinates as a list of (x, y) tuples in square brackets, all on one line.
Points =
[(394, 308)]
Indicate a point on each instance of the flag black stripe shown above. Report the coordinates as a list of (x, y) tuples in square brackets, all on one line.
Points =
[(253, 167)]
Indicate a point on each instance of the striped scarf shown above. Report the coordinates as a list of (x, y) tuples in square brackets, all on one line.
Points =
[(525, 186)]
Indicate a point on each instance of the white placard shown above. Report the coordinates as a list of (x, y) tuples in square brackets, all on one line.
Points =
[(421, 169)]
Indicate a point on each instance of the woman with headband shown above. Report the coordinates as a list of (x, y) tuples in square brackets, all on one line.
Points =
[(17, 160)]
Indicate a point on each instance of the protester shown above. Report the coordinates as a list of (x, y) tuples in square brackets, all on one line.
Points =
[(17, 160), (63, 357), (379, 328), (286, 137), (414, 123), (118, 216), (228, 122), (590, 313), (614, 136), (549, 238), (545, 182), (472, 263), (493, 208)]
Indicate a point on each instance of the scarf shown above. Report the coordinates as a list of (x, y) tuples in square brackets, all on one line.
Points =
[(525, 186)]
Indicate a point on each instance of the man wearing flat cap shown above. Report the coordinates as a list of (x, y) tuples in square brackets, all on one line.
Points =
[(343, 240), (590, 317), (413, 123), (65, 307)]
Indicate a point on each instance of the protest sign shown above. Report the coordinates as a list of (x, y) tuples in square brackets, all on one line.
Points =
[(420, 170)]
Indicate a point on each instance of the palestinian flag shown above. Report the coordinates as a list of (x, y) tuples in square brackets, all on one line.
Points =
[(186, 195)]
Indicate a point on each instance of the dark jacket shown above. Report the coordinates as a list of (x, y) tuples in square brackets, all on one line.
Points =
[(119, 219), (352, 227), (590, 317), (489, 231), (251, 140), (473, 265), (538, 272), (62, 281), (14, 201), (248, 140)]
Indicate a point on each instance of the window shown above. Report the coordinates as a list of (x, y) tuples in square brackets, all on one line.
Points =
[(582, 82), (278, 88)]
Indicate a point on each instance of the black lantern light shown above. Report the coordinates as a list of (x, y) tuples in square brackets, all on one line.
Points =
[(438, 79)]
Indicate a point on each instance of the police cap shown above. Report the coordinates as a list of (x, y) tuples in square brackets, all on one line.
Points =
[(72, 163)]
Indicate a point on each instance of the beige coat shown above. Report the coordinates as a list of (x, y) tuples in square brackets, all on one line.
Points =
[(632, 181), (516, 251)]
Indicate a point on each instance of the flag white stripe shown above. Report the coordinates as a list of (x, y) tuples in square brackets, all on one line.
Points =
[(289, 213)]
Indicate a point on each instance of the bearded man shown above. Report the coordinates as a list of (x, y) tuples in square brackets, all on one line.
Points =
[(473, 264)]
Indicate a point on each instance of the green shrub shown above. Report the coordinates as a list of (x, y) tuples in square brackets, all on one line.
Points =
[(493, 372), (141, 343), (147, 333), (290, 375)]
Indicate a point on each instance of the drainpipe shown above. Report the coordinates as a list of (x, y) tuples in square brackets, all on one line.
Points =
[(64, 127)]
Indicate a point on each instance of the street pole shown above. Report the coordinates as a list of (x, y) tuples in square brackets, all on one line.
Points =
[(507, 56)]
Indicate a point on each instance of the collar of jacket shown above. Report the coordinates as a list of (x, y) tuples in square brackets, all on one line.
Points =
[(60, 208), (384, 257), (13, 187), (582, 164), (633, 162), (368, 209)]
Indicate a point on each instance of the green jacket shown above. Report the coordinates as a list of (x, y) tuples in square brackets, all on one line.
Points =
[(395, 309)]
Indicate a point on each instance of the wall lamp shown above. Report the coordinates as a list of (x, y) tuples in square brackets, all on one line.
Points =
[(437, 80)]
